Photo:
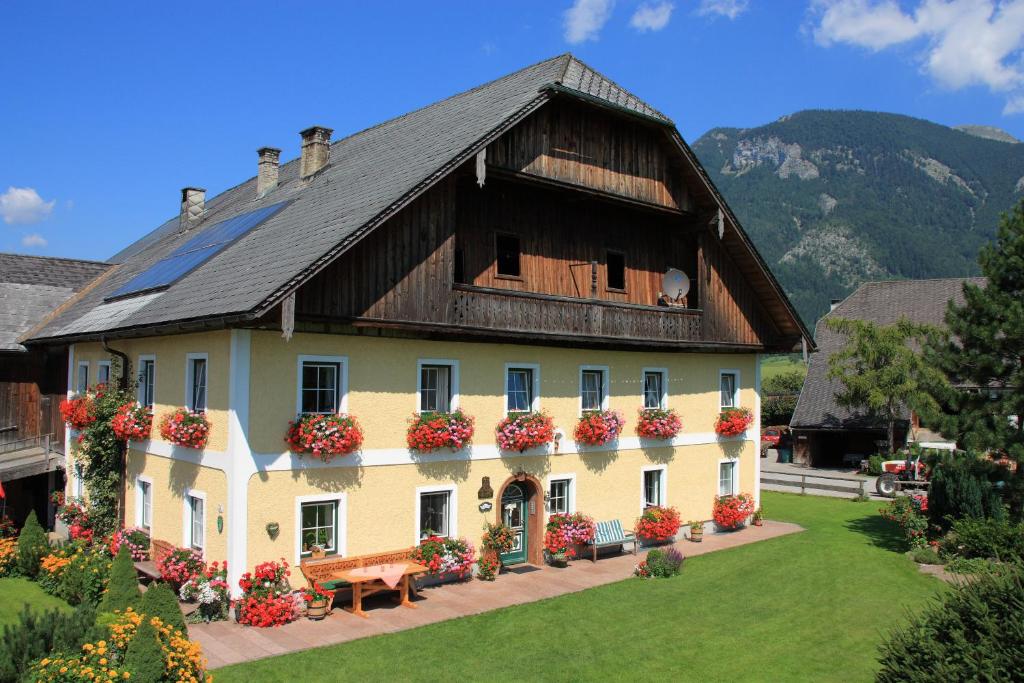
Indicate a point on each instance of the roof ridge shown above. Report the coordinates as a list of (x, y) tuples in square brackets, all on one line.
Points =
[(627, 91), (958, 278), (55, 258)]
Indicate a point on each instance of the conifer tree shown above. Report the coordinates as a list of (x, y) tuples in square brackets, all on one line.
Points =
[(123, 586), (144, 659), (33, 546), (160, 601)]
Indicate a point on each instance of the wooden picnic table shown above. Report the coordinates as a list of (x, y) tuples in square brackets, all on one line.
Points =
[(367, 581)]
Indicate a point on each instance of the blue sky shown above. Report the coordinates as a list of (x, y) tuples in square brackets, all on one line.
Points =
[(108, 109)]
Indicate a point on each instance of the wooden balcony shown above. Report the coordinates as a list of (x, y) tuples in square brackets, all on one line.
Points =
[(503, 310)]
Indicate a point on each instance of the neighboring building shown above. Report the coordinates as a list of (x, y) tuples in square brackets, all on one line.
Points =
[(502, 248), (32, 383), (828, 434)]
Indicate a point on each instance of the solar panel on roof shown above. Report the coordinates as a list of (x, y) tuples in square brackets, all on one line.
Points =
[(195, 252)]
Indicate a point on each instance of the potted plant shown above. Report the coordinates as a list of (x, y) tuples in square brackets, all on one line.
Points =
[(598, 427), (186, 428), (132, 422), (317, 551), (497, 539), (656, 423), (564, 534), (447, 559), (317, 599), (696, 530), (430, 432), (658, 524), (758, 518), (520, 431), (325, 436), (733, 421), (731, 512)]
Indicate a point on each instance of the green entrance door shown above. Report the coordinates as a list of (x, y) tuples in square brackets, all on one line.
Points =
[(513, 514)]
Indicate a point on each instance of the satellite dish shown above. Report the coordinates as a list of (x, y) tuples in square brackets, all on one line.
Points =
[(675, 284)]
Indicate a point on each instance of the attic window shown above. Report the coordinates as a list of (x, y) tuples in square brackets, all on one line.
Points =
[(507, 247), (616, 264)]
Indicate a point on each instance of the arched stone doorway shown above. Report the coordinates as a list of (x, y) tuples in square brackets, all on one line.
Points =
[(521, 502)]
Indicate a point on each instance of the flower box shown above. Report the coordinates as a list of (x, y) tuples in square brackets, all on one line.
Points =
[(521, 431), (565, 534), (445, 556), (731, 512), (325, 436), (655, 423), (599, 427), (733, 421), (132, 422), (658, 525), (430, 432), (185, 428)]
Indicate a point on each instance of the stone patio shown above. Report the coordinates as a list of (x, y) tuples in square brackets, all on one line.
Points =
[(229, 643)]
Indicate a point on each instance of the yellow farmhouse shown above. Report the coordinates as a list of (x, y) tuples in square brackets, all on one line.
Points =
[(546, 242)]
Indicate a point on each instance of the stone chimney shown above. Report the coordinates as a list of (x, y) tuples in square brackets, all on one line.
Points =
[(193, 204), (266, 176), (316, 150)]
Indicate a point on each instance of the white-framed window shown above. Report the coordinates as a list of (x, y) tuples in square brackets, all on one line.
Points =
[(82, 378), (103, 372), (144, 502), (522, 387), (561, 496), (729, 388), (320, 520), (195, 381), (436, 511), (593, 387), (654, 383), (728, 471), (437, 385), (322, 385), (194, 521), (653, 485), (147, 380)]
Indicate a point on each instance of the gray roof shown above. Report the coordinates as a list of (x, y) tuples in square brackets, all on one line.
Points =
[(920, 301), (32, 286)]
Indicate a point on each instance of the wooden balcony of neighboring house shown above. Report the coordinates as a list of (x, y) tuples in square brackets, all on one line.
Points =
[(546, 315), (20, 458)]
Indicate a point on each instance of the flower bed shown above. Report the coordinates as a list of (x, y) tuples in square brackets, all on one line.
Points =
[(137, 541), (185, 428), (565, 531), (660, 563), (132, 422), (658, 524), (655, 423), (325, 436), (76, 572), (179, 566), (209, 589), (266, 598), (520, 431), (731, 512), (596, 428), (8, 551), (433, 431), (733, 421), (445, 555), (498, 537), (77, 412), (908, 512)]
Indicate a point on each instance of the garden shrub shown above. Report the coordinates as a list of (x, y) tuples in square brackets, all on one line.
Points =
[(84, 577), (985, 538), (160, 601), (32, 547), (973, 632), (123, 585), (144, 659), (960, 488), (875, 465), (971, 565), (925, 556), (660, 563), (37, 634)]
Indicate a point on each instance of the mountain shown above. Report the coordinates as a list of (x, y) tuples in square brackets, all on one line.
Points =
[(834, 198), (989, 132)]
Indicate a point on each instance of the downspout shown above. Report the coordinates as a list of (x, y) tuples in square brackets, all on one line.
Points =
[(122, 449)]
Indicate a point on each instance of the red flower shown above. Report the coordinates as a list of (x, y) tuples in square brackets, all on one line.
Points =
[(658, 523), (731, 512), (733, 421), (77, 412), (598, 427), (185, 428), (520, 431), (132, 422), (432, 431), (325, 436), (655, 423)]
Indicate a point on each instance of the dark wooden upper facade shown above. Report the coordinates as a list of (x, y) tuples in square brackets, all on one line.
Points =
[(598, 207)]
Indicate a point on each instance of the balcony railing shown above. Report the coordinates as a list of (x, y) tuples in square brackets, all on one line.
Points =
[(528, 312)]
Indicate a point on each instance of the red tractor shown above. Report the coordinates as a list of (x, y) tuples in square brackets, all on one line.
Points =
[(909, 474)]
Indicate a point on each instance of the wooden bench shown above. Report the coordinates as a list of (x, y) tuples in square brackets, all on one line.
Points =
[(610, 534), (158, 550), (318, 569)]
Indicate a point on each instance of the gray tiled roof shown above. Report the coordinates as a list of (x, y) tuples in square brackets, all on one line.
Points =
[(32, 286), (921, 301)]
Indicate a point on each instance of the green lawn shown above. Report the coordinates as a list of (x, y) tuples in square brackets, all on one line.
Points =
[(809, 606), (14, 593), (780, 363)]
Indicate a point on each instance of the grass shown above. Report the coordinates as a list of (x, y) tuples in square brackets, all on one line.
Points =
[(809, 606), (17, 592), (781, 363)]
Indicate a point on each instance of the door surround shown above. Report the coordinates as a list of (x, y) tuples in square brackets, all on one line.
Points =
[(534, 513)]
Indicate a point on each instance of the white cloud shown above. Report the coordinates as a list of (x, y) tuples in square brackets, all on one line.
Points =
[(967, 42), (651, 17), (585, 19), (33, 240), (23, 205), (723, 8)]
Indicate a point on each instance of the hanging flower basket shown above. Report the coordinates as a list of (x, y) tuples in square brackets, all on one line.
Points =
[(731, 512), (433, 431), (658, 524), (131, 422), (520, 431), (733, 421), (185, 428), (77, 412), (655, 423), (325, 436), (596, 428)]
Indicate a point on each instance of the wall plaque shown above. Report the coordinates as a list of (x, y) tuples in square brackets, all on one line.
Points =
[(486, 506)]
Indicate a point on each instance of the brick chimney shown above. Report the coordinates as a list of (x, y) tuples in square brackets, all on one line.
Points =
[(193, 204), (316, 150), (266, 177)]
